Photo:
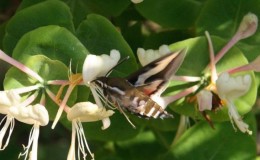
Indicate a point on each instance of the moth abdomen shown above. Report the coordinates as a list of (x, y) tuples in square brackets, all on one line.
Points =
[(144, 106)]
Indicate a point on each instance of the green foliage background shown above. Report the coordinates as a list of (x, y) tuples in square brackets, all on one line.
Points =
[(55, 32)]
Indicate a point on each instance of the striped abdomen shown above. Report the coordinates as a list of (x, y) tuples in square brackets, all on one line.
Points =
[(121, 93)]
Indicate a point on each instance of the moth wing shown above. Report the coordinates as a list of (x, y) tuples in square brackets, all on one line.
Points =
[(153, 77)]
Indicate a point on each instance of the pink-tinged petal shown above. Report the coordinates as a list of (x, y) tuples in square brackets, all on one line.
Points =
[(253, 66), (20, 66), (204, 98), (248, 26)]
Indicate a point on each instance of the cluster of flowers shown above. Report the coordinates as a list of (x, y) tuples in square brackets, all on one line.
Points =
[(15, 107)]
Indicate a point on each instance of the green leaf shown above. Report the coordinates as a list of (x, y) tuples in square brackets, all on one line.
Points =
[(155, 40), (100, 37), (202, 142), (57, 43), (107, 8), (227, 17), (50, 12), (196, 60), (171, 13), (143, 146), (48, 70)]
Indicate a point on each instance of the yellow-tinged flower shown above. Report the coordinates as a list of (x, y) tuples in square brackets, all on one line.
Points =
[(8, 99), (84, 112), (230, 88), (37, 115)]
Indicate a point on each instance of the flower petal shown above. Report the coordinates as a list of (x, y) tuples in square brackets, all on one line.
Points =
[(204, 98), (232, 87), (88, 112), (31, 114), (248, 26), (147, 56), (95, 66), (7, 99), (235, 117)]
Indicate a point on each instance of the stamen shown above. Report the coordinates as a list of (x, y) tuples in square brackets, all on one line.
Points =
[(9, 122)]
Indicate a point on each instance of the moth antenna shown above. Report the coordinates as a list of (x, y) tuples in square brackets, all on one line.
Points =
[(121, 61), (120, 109)]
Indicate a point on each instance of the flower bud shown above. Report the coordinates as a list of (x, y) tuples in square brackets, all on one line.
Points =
[(248, 26)]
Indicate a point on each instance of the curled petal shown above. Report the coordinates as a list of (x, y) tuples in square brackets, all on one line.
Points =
[(235, 117), (232, 87), (106, 123), (147, 56), (36, 114), (88, 112), (204, 98), (95, 66), (7, 99)]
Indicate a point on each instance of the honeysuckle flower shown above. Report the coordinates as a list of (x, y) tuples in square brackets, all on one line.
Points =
[(84, 112), (247, 28), (36, 115), (230, 88), (7, 100), (147, 56), (96, 66), (137, 1)]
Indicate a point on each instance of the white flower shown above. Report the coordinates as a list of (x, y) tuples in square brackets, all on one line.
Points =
[(37, 115), (231, 88), (204, 98), (84, 112), (7, 100), (137, 1), (95, 66), (147, 56)]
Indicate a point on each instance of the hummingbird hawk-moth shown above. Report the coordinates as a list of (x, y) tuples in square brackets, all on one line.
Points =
[(134, 92)]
